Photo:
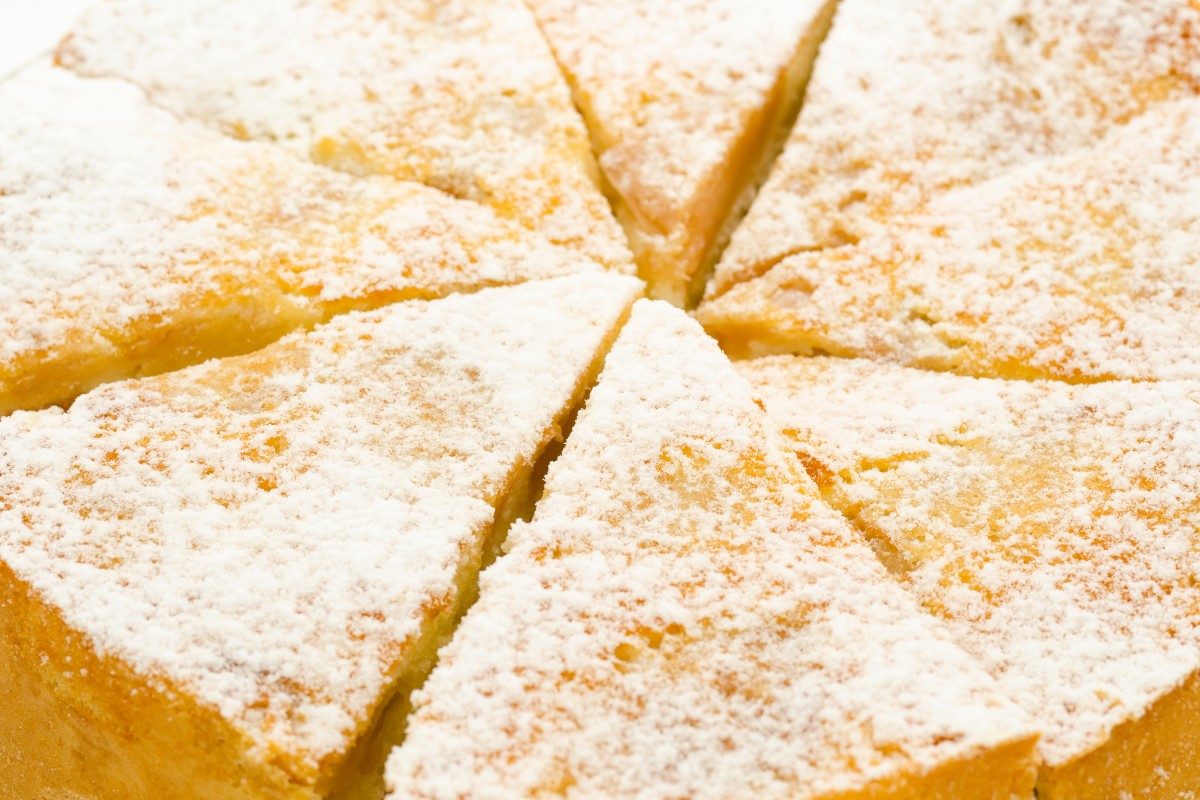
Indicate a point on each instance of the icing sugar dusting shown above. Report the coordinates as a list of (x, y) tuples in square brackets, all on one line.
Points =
[(910, 99), (269, 533), (684, 618), (464, 96), (1080, 268), (117, 222), (670, 84), (1052, 526)]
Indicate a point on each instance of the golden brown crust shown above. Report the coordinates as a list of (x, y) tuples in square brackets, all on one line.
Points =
[(77, 722), (1155, 756)]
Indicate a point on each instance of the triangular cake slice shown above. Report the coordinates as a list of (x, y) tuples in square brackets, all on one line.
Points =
[(1052, 527), (684, 617), (910, 99), (213, 581), (1081, 268), (462, 95), (686, 102), (131, 243)]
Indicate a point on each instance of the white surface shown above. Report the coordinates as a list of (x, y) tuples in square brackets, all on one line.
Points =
[(29, 28)]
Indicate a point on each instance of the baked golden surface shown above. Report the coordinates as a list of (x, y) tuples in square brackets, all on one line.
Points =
[(1053, 527), (214, 580), (686, 101), (462, 95), (1080, 268), (132, 244), (910, 99), (685, 618), (230, 581)]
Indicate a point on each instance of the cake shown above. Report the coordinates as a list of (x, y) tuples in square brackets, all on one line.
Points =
[(132, 243), (299, 300), (462, 95), (909, 99), (215, 581), (1052, 527), (1079, 268), (684, 617), (686, 101)]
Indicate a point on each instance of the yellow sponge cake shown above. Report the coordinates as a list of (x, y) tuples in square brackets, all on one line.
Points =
[(910, 99), (1080, 268), (686, 101), (1052, 527), (462, 95), (131, 243), (212, 582), (685, 618)]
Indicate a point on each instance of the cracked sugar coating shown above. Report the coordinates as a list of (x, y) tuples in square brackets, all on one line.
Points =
[(124, 232), (910, 99), (1081, 268), (1053, 527), (463, 95), (684, 618), (682, 98), (269, 533)]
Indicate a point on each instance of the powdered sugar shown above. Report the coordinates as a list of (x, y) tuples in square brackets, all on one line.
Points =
[(270, 532), (463, 96), (1080, 268), (909, 99), (1052, 526), (684, 619), (672, 90), (118, 222)]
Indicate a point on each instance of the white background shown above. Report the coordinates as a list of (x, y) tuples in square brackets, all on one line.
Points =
[(29, 28)]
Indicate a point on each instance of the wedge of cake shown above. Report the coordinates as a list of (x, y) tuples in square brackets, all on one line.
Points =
[(686, 101), (911, 98), (213, 582), (684, 617), (131, 243), (1054, 528), (462, 95), (1081, 268)]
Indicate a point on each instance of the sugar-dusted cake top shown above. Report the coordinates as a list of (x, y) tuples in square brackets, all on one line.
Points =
[(464, 95), (1052, 526), (1079, 268), (672, 88), (268, 533), (909, 99), (684, 618), (119, 224)]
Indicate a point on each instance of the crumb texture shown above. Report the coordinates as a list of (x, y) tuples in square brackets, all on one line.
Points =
[(944, 94), (269, 533), (684, 618), (1053, 527), (464, 96), (1079, 268)]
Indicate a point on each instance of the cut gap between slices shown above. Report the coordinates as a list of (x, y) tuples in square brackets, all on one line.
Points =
[(757, 152), (361, 777), (777, 130)]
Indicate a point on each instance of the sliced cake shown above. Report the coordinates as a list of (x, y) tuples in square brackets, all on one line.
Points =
[(684, 617), (686, 101), (131, 243), (462, 95), (1081, 268), (912, 97), (213, 582), (1053, 528)]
